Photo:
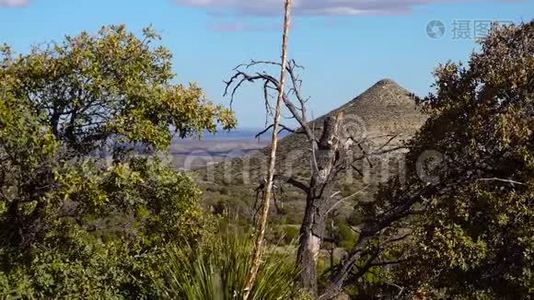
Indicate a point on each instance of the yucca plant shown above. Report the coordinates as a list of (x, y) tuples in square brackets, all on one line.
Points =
[(218, 270)]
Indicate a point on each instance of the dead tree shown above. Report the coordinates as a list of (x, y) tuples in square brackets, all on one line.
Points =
[(331, 153)]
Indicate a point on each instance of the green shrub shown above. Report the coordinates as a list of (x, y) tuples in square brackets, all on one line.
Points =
[(218, 270), (285, 234), (107, 251), (345, 236)]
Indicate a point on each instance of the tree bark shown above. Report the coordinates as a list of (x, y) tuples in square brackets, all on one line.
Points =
[(318, 198), (311, 235)]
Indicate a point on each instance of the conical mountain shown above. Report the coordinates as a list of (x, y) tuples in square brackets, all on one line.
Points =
[(385, 109)]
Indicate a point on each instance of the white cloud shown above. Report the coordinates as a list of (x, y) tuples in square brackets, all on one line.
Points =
[(13, 3), (312, 7)]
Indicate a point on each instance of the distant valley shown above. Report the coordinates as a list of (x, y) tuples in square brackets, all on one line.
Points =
[(209, 148)]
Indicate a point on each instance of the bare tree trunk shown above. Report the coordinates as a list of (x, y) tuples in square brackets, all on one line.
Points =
[(311, 234), (258, 248), (318, 199)]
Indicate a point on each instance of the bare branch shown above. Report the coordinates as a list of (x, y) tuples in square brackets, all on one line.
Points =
[(345, 199), (271, 83), (397, 239), (271, 126), (501, 180), (390, 262), (357, 170), (296, 89), (300, 119), (292, 181)]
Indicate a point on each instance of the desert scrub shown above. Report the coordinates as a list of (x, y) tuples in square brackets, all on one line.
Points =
[(218, 269)]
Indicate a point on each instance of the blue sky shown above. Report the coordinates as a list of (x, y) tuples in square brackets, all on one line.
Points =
[(345, 45)]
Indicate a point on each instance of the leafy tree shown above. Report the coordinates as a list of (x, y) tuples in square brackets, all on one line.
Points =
[(477, 237), (70, 226), (95, 87), (462, 225)]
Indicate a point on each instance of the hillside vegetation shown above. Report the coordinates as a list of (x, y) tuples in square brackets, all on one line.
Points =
[(437, 202)]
